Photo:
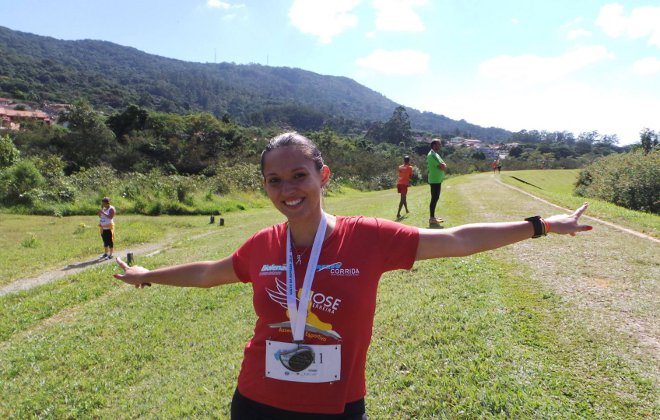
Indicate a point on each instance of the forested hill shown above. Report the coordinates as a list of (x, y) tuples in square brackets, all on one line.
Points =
[(39, 68)]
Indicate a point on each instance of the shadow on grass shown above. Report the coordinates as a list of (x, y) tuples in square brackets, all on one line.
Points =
[(83, 264), (525, 182)]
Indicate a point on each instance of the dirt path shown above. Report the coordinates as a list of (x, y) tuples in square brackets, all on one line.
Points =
[(76, 267), (612, 225), (609, 274)]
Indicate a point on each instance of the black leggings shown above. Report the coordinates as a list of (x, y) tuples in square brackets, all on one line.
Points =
[(243, 408), (107, 238), (435, 196)]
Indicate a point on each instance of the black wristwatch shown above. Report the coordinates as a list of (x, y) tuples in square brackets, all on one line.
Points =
[(539, 228)]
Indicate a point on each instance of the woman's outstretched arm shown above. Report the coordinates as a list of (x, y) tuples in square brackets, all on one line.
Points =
[(196, 274), (469, 239)]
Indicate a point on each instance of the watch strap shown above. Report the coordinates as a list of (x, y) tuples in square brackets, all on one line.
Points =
[(539, 226)]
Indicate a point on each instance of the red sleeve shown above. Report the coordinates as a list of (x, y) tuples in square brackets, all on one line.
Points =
[(241, 260), (397, 244)]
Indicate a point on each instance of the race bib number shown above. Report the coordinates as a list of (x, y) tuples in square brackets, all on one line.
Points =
[(303, 363)]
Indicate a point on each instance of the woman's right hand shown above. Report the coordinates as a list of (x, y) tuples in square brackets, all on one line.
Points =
[(132, 275)]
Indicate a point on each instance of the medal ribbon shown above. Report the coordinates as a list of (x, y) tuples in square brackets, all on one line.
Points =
[(298, 313)]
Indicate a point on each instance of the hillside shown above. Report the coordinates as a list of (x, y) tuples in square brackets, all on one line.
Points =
[(111, 76)]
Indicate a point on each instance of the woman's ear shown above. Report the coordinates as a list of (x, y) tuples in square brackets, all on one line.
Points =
[(325, 175)]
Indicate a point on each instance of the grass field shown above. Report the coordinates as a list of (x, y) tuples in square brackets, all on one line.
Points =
[(557, 186), (537, 330), (30, 244)]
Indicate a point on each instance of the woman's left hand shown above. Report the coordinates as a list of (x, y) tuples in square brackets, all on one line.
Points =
[(563, 224)]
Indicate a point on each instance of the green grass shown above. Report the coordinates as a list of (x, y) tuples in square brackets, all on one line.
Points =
[(472, 337), (480, 340), (557, 186), (31, 244)]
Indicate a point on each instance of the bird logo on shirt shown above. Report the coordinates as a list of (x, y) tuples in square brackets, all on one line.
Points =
[(312, 324)]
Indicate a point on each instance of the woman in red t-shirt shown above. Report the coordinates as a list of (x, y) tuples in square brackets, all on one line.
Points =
[(314, 280)]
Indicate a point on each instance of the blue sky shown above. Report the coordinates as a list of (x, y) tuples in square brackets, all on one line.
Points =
[(519, 64)]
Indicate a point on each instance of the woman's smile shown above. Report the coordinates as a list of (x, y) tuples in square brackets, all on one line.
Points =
[(293, 203)]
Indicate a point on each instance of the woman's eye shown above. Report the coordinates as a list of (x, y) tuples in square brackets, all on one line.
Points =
[(273, 180), (299, 175)]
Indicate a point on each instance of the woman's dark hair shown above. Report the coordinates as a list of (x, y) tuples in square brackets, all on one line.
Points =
[(298, 141)]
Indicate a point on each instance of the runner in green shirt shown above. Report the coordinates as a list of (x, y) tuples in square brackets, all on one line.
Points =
[(436, 171)]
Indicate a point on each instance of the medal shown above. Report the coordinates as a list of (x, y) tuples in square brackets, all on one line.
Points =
[(301, 357), (297, 359)]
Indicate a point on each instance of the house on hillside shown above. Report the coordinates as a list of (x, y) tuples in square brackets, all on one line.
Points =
[(54, 110), (10, 119), (5, 102), (460, 141)]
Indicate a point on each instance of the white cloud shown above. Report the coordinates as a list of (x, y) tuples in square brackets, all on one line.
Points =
[(571, 106), (222, 5), (574, 34), (647, 66), (398, 15), (642, 22), (515, 21), (323, 19), (536, 69), (402, 62)]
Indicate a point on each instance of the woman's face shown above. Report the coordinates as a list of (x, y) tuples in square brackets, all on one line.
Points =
[(293, 183)]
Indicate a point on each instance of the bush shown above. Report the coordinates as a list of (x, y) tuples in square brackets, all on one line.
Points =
[(240, 177), (9, 154), (630, 180), (18, 182)]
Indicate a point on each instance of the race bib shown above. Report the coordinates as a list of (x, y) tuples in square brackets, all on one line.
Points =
[(303, 363)]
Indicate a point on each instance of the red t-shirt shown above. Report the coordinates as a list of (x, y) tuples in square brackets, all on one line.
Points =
[(353, 258), (405, 172)]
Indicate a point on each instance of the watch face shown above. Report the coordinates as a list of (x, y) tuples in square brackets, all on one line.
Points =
[(298, 359)]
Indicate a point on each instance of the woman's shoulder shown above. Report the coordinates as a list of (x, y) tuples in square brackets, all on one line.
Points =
[(366, 222), (272, 230)]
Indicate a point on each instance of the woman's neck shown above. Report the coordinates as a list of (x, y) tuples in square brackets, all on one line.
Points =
[(303, 232)]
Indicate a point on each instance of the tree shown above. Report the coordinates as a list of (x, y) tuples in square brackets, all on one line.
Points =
[(19, 180), (88, 141), (9, 154), (397, 129), (515, 151), (649, 140), (133, 118)]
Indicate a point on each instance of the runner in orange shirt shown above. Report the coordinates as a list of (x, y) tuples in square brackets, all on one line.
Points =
[(405, 172)]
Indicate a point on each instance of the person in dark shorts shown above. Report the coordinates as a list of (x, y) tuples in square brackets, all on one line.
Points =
[(107, 227)]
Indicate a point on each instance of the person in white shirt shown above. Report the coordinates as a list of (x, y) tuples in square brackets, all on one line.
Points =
[(107, 227)]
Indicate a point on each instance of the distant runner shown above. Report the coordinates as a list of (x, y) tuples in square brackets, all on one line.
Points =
[(405, 172)]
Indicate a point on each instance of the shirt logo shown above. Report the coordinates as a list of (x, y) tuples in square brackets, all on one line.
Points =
[(334, 268), (319, 302)]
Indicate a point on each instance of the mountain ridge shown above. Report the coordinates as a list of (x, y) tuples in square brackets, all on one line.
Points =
[(41, 68)]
